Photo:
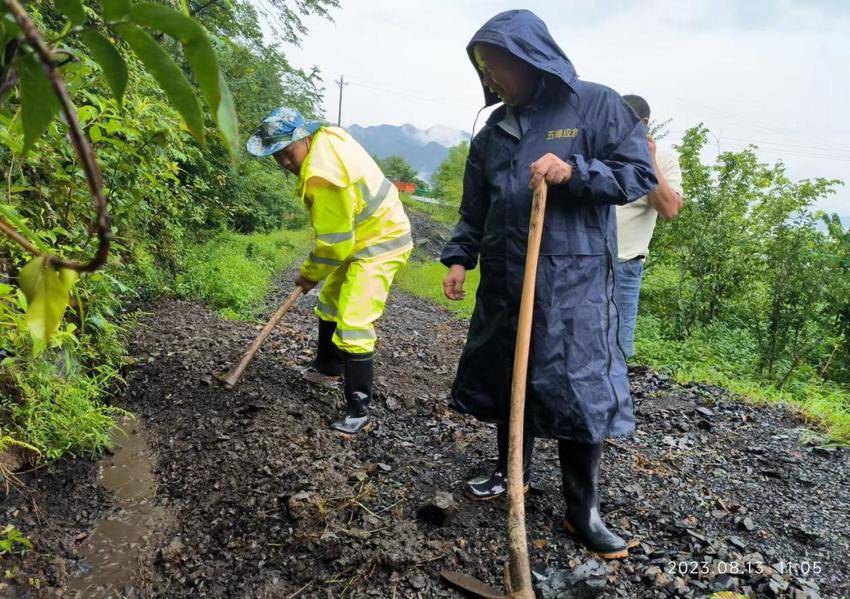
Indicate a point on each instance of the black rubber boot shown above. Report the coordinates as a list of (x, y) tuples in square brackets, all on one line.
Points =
[(358, 393), (580, 473), (326, 367), (485, 488), (328, 361)]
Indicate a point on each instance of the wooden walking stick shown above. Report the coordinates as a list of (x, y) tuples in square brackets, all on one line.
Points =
[(233, 375), (518, 583), (518, 568)]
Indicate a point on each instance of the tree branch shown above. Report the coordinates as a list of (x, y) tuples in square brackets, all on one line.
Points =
[(81, 145), (203, 7), (22, 241)]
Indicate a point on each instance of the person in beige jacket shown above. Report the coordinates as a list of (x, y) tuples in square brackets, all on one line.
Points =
[(636, 224)]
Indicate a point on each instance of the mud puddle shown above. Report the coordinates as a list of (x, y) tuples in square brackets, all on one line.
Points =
[(110, 554)]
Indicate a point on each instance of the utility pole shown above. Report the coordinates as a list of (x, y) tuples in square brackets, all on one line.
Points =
[(341, 83)]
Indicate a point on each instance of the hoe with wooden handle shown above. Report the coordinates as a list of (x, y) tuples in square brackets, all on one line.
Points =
[(518, 570), (233, 375)]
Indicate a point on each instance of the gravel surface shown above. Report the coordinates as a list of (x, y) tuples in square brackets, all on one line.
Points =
[(264, 500)]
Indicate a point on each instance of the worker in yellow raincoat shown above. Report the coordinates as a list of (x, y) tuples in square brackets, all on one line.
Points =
[(362, 239)]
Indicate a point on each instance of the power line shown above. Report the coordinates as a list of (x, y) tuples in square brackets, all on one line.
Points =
[(783, 149), (406, 94)]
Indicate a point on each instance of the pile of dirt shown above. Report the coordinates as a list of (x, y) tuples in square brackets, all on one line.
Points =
[(430, 237)]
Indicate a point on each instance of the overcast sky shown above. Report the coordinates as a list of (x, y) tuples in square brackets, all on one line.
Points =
[(775, 73)]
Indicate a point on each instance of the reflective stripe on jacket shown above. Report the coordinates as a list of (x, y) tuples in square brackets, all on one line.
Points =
[(355, 210)]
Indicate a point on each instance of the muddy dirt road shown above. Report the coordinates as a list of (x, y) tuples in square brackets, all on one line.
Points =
[(258, 498)]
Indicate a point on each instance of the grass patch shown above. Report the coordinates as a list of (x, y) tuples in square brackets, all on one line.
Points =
[(233, 272), (725, 357), (62, 413), (51, 401), (425, 280)]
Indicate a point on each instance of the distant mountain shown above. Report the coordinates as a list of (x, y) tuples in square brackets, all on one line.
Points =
[(423, 150)]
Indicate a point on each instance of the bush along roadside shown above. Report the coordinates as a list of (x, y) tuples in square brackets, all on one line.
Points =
[(166, 194), (53, 401), (52, 397)]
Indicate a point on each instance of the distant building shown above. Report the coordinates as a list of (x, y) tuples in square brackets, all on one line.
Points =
[(405, 186)]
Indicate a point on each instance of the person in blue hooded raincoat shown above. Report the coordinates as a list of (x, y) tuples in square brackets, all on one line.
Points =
[(592, 150)]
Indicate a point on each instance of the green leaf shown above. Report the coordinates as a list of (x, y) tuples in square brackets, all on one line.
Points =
[(9, 28), (38, 102), (228, 122), (87, 113), (95, 134), (184, 6), (46, 290), (204, 64), (167, 20), (109, 59), (196, 46), (73, 9), (202, 60), (115, 10), (169, 76)]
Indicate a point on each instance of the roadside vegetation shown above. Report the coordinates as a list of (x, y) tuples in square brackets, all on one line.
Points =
[(187, 219)]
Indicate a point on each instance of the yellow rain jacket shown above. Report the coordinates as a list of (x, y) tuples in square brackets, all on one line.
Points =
[(362, 235)]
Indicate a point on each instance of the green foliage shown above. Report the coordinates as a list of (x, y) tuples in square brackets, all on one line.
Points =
[(52, 401), (262, 198), (38, 102), (168, 74), (425, 279), (165, 195), (837, 366), (46, 289), (746, 251), (59, 409), (448, 180), (13, 540), (233, 272), (239, 19), (745, 291), (396, 168), (201, 59)]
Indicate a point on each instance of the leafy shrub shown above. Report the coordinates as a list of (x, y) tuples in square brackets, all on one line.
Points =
[(233, 272)]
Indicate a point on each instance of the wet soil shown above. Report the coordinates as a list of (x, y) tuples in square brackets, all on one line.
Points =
[(264, 500), (110, 553)]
